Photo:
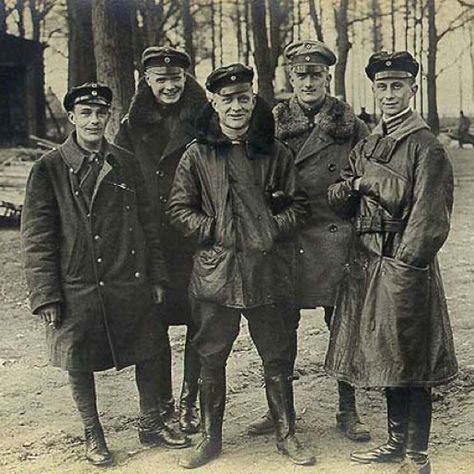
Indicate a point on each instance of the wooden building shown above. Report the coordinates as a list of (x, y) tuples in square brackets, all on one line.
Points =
[(22, 98)]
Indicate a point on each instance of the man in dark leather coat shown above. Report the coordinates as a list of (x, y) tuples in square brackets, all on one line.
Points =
[(235, 193), (159, 124), (391, 325), (94, 267)]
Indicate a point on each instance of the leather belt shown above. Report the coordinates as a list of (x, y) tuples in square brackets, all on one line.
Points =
[(377, 223)]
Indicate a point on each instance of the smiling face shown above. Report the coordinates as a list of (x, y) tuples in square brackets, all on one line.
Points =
[(309, 87), (234, 110), (90, 121), (166, 87), (393, 95)]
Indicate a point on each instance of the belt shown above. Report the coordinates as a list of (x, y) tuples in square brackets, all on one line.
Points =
[(377, 223)]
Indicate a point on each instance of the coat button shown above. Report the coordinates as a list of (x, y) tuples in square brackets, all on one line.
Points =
[(301, 250), (76, 192), (99, 260), (332, 167), (137, 274), (264, 252), (311, 124), (71, 170), (96, 237), (163, 199), (127, 207), (132, 252), (333, 228), (130, 229), (101, 283)]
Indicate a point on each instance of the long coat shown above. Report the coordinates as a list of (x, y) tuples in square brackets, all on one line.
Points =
[(321, 149), (157, 136), (97, 262), (243, 258), (391, 324)]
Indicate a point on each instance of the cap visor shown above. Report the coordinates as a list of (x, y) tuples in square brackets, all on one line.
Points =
[(309, 67), (392, 74)]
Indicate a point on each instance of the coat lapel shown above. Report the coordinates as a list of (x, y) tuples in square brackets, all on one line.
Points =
[(316, 142)]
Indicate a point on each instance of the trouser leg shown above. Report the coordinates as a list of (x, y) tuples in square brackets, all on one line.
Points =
[(84, 395), (165, 386)]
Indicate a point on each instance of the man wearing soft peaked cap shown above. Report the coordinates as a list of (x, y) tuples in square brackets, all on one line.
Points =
[(321, 130), (94, 267), (157, 128), (235, 194), (391, 326)]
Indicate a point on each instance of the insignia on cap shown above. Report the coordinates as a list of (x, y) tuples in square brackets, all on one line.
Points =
[(308, 46), (388, 63), (233, 78), (94, 93), (307, 58), (167, 60), (94, 85)]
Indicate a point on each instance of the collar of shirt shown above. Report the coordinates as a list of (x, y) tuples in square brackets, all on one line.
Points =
[(77, 156), (390, 124)]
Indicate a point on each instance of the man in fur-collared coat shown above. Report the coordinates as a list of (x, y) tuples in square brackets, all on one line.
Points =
[(321, 131), (157, 128)]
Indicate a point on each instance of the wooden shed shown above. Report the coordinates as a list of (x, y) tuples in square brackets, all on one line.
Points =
[(22, 98)]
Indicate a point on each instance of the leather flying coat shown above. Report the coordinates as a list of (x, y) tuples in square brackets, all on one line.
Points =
[(244, 255), (321, 149), (391, 324), (96, 262)]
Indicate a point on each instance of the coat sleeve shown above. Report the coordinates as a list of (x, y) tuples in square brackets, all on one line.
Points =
[(342, 197), (428, 224), (295, 214), (40, 239), (184, 207), (360, 132), (156, 262)]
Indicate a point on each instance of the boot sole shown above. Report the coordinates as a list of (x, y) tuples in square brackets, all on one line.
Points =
[(151, 443), (367, 461), (363, 438), (261, 432), (308, 462), (190, 430), (183, 464), (106, 463)]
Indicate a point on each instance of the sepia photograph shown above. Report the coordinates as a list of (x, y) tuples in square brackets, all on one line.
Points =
[(236, 236)]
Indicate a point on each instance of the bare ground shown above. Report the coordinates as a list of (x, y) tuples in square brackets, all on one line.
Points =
[(41, 433)]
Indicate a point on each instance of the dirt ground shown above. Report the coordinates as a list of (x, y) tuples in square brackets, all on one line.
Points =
[(41, 433)]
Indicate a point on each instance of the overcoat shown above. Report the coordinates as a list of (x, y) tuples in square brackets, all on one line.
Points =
[(157, 136), (391, 324), (321, 149), (242, 259), (97, 262)]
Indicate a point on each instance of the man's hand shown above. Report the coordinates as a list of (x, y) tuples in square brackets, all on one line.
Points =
[(51, 314), (158, 293)]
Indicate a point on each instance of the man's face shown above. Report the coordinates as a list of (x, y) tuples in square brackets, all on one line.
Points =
[(234, 110), (309, 87), (166, 87), (90, 122), (393, 95)]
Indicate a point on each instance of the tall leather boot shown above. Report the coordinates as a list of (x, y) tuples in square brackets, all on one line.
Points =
[(347, 419), (279, 390), (212, 402), (83, 392), (189, 421), (397, 416), (165, 389), (152, 431), (418, 432), (265, 425)]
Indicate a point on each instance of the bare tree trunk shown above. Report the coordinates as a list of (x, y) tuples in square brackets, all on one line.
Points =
[(20, 8), (3, 18), (81, 67), (112, 28), (407, 22), (433, 118), (262, 52), (238, 21), (393, 25), (471, 56), (248, 46), (377, 37), (213, 34), (343, 46), (316, 20), (221, 35), (188, 29)]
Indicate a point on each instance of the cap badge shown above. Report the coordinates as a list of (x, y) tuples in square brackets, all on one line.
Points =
[(94, 85), (307, 58), (308, 46), (167, 59), (388, 63), (94, 93), (233, 78)]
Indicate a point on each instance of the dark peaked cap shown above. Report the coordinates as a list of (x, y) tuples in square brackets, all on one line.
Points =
[(400, 64), (89, 93), (230, 75), (165, 56)]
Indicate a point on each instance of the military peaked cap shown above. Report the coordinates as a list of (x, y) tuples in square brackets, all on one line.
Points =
[(89, 93), (165, 56), (399, 64), (231, 75), (309, 55)]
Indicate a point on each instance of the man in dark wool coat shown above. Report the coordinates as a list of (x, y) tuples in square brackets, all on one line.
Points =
[(321, 131), (391, 327), (94, 267), (159, 124), (235, 193)]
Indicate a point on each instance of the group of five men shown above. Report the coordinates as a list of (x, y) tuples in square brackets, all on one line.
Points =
[(204, 211)]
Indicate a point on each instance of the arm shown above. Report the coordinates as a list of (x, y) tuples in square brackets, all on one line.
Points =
[(156, 262), (184, 207), (40, 240), (432, 201)]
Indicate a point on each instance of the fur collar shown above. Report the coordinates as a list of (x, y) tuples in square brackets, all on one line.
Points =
[(336, 118), (260, 137), (144, 110)]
